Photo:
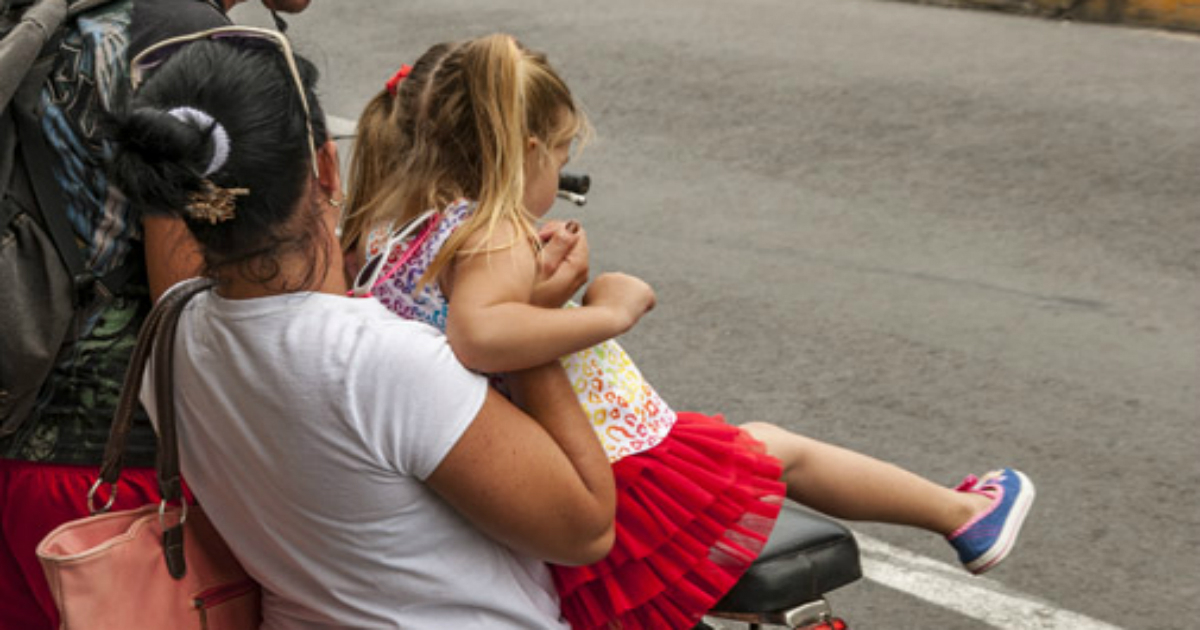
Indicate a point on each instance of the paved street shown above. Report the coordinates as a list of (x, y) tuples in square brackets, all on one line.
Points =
[(952, 239)]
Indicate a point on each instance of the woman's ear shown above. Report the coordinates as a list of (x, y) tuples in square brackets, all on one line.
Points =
[(329, 174)]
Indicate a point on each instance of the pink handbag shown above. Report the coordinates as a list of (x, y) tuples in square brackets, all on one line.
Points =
[(160, 566)]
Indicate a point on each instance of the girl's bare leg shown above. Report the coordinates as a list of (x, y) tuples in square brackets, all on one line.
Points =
[(849, 485)]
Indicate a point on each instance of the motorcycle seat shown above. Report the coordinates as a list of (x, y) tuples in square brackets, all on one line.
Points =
[(806, 556)]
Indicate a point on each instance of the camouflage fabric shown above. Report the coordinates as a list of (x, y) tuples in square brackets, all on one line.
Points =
[(76, 404), (71, 425)]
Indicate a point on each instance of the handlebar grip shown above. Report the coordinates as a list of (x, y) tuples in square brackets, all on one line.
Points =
[(577, 183)]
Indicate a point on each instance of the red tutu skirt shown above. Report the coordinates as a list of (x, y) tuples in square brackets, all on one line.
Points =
[(692, 514)]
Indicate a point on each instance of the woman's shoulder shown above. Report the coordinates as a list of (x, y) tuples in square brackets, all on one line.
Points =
[(367, 317), (368, 326)]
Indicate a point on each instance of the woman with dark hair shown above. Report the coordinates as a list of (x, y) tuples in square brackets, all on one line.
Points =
[(358, 471), (60, 380)]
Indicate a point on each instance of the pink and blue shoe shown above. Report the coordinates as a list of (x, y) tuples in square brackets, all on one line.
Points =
[(986, 540)]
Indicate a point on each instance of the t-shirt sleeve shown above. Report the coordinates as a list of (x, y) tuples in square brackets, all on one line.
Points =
[(414, 398)]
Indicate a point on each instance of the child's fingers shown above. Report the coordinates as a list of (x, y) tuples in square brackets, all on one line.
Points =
[(547, 229), (564, 266), (557, 245)]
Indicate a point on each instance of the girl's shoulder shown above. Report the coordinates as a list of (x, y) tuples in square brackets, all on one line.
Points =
[(484, 236)]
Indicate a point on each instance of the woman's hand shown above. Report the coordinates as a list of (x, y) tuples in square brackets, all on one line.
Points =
[(563, 264)]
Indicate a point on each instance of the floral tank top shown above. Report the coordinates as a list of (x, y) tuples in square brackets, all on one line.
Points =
[(626, 413)]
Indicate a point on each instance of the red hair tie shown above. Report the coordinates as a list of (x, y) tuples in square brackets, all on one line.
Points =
[(394, 82)]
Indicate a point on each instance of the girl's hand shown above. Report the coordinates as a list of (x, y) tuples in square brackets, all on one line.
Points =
[(563, 264), (627, 297)]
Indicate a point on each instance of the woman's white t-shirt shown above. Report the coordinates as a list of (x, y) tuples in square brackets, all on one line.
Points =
[(307, 424)]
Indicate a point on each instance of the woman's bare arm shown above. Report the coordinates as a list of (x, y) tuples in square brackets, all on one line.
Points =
[(543, 487)]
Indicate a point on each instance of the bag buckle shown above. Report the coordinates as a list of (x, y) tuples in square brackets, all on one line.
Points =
[(92, 494)]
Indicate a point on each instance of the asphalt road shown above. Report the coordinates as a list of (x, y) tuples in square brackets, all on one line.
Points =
[(952, 239)]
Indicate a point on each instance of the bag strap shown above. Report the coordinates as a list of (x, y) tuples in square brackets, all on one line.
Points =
[(51, 205), (170, 484), (169, 305), (157, 335)]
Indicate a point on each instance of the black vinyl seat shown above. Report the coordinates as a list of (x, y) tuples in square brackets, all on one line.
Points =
[(806, 556)]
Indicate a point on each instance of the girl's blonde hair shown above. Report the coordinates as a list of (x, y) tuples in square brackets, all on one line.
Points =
[(456, 128)]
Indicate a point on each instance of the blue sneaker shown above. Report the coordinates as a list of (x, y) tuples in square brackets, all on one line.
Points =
[(985, 541)]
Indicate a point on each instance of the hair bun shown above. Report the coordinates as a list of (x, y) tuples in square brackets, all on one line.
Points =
[(158, 134), (213, 129), (161, 159)]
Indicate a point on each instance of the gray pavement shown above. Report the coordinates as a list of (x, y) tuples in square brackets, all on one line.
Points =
[(951, 239)]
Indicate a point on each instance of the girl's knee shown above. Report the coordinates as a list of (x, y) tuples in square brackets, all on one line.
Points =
[(774, 437), (788, 447), (761, 431)]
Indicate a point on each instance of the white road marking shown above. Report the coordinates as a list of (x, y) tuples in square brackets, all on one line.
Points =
[(951, 587)]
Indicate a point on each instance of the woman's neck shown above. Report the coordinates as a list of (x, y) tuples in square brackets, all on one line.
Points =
[(296, 274), (318, 268)]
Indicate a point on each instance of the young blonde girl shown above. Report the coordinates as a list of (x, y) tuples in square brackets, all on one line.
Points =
[(455, 162)]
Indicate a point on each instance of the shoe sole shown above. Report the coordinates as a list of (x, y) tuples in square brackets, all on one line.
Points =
[(1012, 528)]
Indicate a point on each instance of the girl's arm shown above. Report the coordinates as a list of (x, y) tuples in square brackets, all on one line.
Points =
[(543, 487), (492, 326)]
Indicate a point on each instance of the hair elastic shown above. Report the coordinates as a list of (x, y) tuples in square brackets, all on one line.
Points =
[(220, 137), (393, 83)]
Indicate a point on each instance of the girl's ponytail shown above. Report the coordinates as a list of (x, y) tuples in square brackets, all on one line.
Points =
[(494, 72), (494, 75)]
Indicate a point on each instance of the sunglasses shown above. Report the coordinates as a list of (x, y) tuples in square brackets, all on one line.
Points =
[(245, 36), (383, 262)]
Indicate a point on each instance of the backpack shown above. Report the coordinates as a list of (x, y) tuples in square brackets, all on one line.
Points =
[(48, 291)]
